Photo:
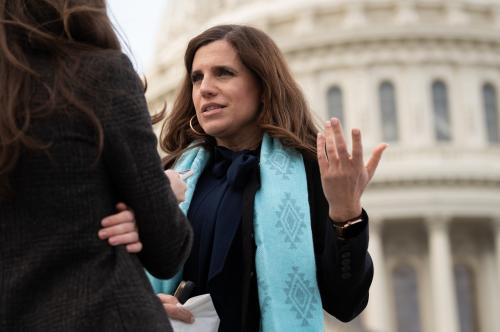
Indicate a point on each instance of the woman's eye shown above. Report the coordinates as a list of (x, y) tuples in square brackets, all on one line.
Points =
[(195, 78), (225, 72)]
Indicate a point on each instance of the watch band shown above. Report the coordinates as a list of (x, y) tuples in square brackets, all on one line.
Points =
[(341, 227)]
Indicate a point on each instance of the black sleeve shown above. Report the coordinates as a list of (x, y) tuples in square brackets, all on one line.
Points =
[(130, 155), (343, 266)]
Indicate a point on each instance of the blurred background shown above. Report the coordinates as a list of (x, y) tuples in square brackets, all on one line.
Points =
[(422, 75)]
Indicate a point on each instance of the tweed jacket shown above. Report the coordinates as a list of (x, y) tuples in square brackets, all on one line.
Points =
[(55, 273)]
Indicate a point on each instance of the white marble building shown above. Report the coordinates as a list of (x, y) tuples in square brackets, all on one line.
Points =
[(423, 75)]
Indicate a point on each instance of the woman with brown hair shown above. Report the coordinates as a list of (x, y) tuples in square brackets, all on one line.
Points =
[(75, 139), (279, 232)]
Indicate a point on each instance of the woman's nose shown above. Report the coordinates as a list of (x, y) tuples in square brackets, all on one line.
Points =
[(207, 87)]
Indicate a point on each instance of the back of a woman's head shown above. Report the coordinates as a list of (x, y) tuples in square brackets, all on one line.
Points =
[(284, 112), (54, 25), (59, 32)]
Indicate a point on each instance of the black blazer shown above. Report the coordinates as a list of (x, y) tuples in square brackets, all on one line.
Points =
[(55, 273), (344, 269)]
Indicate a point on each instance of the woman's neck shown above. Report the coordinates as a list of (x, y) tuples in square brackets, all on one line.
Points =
[(241, 143)]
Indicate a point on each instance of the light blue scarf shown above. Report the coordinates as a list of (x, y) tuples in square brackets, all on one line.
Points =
[(288, 292)]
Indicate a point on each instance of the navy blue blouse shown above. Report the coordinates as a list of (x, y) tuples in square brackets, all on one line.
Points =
[(215, 264)]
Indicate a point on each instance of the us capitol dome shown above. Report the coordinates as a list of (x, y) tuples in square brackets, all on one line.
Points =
[(424, 76)]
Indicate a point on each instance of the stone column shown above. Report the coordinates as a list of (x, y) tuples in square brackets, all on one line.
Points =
[(496, 228), (376, 315), (496, 13), (445, 317)]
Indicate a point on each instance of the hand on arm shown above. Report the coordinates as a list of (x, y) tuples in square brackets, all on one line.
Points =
[(121, 229), (344, 177)]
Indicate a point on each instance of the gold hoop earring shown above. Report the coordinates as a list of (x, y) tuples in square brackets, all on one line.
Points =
[(192, 128)]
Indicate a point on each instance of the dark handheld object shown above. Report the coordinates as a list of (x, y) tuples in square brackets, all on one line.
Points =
[(183, 291)]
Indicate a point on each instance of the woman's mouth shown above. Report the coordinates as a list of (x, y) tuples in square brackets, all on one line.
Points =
[(211, 109)]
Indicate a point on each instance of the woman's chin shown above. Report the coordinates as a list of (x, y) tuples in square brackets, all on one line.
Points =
[(215, 131)]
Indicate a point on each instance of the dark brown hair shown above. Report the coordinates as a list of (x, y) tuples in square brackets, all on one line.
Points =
[(285, 114), (59, 31)]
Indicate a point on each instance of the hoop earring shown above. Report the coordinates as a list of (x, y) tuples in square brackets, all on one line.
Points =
[(192, 128)]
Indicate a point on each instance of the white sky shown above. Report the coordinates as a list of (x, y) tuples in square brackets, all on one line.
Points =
[(138, 22)]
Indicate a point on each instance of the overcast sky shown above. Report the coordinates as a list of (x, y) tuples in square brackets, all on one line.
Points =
[(139, 22)]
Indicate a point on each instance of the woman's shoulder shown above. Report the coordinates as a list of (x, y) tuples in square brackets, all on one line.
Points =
[(109, 72), (106, 62)]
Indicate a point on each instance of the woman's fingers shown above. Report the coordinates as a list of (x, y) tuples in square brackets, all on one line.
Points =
[(335, 144), (120, 229), (174, 309), (340, 143), (321, 153), (127, 238), (331, 149), (344, 177), (167, 298), (134, 248), (121, 207), (177, 185), (357, 147), (372, 164), (171, 173), (122, 217), (179, 313), (117, 224)]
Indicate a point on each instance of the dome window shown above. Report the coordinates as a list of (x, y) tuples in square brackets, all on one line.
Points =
[(442, 127), (335, 104), (389, 119), (491, 113)]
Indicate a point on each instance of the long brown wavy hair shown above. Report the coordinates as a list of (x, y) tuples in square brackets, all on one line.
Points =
[(59, 31), (285, 114)]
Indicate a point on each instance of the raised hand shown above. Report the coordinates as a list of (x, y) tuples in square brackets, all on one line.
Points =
[(344, 176)]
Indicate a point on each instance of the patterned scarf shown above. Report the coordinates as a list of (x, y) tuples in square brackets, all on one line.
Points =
[(286, 271)]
